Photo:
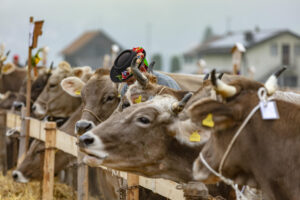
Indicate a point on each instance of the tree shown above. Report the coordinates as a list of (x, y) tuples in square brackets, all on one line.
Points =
[(175, 64), (208, 34), (157, 58)]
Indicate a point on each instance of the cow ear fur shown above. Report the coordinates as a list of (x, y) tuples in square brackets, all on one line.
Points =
[(8, 68), (80, 72), (73, 86), (222, 115), (64, 66)]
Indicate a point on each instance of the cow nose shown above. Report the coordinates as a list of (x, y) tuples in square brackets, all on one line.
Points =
[(83, 126), (85, 140), (33, 107), (17, 105), (15, 176)]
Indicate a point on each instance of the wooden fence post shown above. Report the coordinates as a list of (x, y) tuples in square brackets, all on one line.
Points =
[(49, 161), (3, 153), (82, 179), (133, 189), (22, 144)]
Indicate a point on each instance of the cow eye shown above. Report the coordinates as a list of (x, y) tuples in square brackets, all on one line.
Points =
[(52, 85), (144, 120), (125, 105), (110, 98)]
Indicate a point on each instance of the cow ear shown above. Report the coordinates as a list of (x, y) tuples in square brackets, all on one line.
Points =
[(73, 86), (212, 114), (80, 72), (8, 68), (64, 66)]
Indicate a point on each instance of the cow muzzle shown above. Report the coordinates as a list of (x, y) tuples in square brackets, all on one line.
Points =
[(38, 110), (19, 177), (83, 126), (17, 105)]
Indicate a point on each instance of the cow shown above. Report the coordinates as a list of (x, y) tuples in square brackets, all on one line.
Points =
[(11, 78), (265, 154), (144, 139), (53, 101), (73, 110)]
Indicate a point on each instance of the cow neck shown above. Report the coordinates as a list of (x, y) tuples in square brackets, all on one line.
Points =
[(180, 159)]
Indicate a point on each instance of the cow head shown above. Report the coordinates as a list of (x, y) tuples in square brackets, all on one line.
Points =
[(145, 88), (99, 96), (53, 100), (32, 166), (140, 138), (226, 114), (36, 88), (11, 78)]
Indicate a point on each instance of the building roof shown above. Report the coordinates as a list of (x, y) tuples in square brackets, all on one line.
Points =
[(84, 39), (224, 44)]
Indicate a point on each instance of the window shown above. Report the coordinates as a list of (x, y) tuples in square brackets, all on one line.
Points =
[(274, 49), (297, 49)]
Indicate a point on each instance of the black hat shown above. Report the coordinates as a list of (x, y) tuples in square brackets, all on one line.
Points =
[(122, 62)]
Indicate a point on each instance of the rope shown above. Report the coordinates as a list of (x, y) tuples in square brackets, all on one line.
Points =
[(92, 113), (262, 95), (161, 90), (238, 193)]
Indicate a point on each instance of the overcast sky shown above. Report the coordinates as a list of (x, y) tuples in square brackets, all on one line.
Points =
[(165, 26)]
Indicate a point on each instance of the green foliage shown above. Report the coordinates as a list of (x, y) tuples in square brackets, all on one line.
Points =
[(175, 64)]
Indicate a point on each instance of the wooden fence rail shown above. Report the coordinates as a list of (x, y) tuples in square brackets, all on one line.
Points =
[(67, 143)]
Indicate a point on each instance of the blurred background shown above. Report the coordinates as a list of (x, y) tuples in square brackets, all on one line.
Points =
[(186, 36)]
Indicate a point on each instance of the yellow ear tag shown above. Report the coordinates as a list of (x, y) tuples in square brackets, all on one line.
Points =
[(138, 100), (195, 137), (208, 121), (77, 92), (119, 95), (5, 69)]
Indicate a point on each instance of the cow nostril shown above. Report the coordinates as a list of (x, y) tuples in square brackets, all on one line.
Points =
[(88, 141), (83, 126), (15, 176), (85, 140), (33, 107)]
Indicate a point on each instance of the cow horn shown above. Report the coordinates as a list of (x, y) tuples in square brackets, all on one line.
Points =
[(177, 107), (51, 67), (220, 76), (7, 53), (140, 77), (206, 76), (151, 67), (271, 84), (224, 89)]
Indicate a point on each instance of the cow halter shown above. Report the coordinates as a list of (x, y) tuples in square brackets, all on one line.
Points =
[(262, 95), (93, 114)]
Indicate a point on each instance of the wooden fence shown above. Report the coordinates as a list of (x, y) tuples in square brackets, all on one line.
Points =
[(56, 139)]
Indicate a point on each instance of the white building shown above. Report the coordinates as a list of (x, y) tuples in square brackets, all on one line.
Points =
[(266, 51)]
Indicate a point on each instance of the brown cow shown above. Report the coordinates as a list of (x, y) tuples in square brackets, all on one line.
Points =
[(11, 78), (266, 153), (53, 100)]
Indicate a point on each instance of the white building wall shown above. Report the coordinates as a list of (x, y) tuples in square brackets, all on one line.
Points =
[(260, 56)]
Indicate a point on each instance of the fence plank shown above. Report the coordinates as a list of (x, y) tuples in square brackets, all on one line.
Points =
[(67, 143), (133, 190), (3, 153), (49, 159), (22, 144), (82, 179)]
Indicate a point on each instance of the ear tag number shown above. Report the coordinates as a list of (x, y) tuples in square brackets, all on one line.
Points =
[(269, 110), (208, 121), (195, 137), (138, 100)]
